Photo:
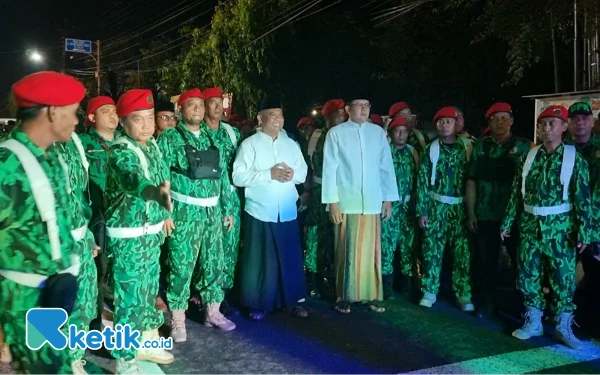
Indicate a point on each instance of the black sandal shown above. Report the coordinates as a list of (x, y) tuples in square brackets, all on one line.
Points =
[(343, 307)]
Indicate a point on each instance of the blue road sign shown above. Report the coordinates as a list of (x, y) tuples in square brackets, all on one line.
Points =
[(78, 45)]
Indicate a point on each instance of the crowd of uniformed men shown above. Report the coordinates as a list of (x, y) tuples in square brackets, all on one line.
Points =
[(149, 201)]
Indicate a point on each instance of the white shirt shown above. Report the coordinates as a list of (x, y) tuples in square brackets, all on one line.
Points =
[(267, 199), (358, 171)]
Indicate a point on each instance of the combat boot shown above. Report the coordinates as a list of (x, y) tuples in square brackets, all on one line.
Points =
[(388, 286), (78, 367), (178, 331), (428, 300), (125, 367), (5, 356), (533, 325), (155, 355), (214, 318), (564, 331)]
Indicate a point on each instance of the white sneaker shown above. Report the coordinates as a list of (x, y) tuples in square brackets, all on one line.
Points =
[(465, 304), (159, 356), (428, 300), (125, 367), (78, 367)]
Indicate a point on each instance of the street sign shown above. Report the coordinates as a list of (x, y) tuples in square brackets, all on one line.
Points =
[(78, 45)]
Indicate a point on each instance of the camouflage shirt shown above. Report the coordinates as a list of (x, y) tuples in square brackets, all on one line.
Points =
[(451, 174), (406, 167), (414, 139), (125, 182), (493, 167), (97, 155), (544, 189), (591, 153), (25, 242), (172, 146)]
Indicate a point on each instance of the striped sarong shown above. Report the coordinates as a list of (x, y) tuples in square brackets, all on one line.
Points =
[(358, 258)]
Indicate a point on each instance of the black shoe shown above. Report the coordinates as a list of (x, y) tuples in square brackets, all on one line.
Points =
[(313, 287), (388, 287), (227, 309)]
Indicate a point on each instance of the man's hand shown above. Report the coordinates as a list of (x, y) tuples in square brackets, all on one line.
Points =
[(278, 172), (228, 222), (162, 195), (335, 214), (472, 223), (504, 235), (95, 250), (168, 227), (386, 211), (423, 221)]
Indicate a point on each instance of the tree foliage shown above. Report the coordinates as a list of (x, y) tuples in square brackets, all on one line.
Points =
[(232, 53)]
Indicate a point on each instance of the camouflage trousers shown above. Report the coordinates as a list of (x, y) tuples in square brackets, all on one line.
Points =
[(231, 247), (196, 249), (15, 301), (398, 233), (136, 271), (446, 227), (85, 307), (318, 240), (553, 255)]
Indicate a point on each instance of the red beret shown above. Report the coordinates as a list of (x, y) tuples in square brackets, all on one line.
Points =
[(446, 112), (96, 103), (48, 89), (397, 107), (377, 119), (213, 92), (557, 111), (498, 107), (134, 100), (193, 93), (399, 121), (331, 106), (304, 121)]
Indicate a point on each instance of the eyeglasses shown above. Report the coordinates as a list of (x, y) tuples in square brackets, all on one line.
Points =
[(168, 118)]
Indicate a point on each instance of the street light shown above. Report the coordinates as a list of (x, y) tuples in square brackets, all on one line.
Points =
[(35, 56)]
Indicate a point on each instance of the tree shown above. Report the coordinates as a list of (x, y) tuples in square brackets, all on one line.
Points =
[(232, 54)]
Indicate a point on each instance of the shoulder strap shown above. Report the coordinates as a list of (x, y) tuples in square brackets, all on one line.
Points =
[(138, 152), (434, 155), (468, 142), (415, 153), (566, 169), (81, 151), (231, 133), (527, 166), (153, 142), (41, 190)]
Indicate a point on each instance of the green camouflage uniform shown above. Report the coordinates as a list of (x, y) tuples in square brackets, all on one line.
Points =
[(26, 248), (95, 147), (85, 308), (230, 204), (399, 231), (591, 153), (550, 238), (198, 234), (447, 222), (492, 168), (318, 225), (136, 259)]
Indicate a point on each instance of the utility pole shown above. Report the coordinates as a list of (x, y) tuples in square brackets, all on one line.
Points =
[(98, 64)]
